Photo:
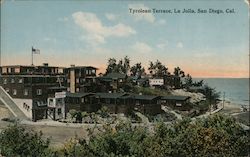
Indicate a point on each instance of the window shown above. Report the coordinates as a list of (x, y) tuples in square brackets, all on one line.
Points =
[(39, 92), (59, 111), (20, 80), (77, 89), (4, 70), (25, 92), (14, 91), (77, 80), (12, 80), (82, 100), (5, 81), (93, 71)]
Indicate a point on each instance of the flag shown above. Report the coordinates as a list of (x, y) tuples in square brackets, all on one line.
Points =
[(35, 51)]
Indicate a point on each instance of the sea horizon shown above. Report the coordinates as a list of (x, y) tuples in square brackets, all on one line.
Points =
[(236, 89)]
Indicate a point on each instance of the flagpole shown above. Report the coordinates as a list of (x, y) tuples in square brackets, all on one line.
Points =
[(32, 56)]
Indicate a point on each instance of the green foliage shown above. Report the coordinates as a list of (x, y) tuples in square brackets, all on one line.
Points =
[(150, 91), (122, 66), (216, 136), (137, 70), (188, 81), (178, 72), (77, 115), (157, 69), (211, 95), (103, 112), (16, 141)]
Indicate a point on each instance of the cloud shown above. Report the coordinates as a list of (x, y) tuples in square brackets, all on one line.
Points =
[(247, 2), (162, 45), (179, 45), (111, 17), (149, 17), (141, 47), (96, 31)]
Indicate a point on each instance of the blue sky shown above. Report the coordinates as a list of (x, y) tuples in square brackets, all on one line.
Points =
[(88, 33)]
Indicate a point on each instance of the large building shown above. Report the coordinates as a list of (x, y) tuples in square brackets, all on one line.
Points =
[(80, 78), (29, 85)]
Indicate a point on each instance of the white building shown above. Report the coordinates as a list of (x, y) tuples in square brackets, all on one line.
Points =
[(156, 81)]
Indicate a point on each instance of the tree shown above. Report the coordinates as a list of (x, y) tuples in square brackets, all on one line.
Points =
[(188, 81), (137, 70), (218, 135), (111, 65), (122, 66), (178, 72), (15, 140), (103, 112), (198, 83), (77, 115), (212, 97), (157, 69)]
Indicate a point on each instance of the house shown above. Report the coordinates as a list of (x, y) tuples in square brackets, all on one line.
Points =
[(147, 104), (115, 102), (56, 103), (113, 81), (176, 102), (143, 82), (81, 78), (156, 82)]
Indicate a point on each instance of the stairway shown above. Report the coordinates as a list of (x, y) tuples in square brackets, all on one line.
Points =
[(10, 104)]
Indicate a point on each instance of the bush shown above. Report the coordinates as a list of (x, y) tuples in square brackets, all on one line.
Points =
[(16, 141)]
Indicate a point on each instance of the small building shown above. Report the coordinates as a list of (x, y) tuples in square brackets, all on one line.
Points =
[(81, 102), (116, 102), (143, 82), (176, 102), (156, 82), (147, 104), (113, 81)]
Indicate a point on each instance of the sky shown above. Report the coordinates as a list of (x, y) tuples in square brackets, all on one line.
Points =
[(90, 32)]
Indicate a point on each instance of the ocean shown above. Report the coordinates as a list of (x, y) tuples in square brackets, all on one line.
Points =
[(236, 89)]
